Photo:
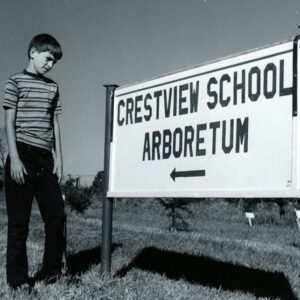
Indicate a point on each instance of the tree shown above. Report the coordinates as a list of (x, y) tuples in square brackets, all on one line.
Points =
[(177, 211), (282, 203), (98, 183)]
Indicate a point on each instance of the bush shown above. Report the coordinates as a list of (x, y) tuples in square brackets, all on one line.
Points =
[(79, 198), (177, 212), (98, 183)]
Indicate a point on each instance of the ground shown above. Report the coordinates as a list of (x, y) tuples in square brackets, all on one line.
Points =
[(220, 257)]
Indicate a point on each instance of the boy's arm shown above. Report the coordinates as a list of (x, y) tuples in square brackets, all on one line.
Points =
[(17, 169), (58, 165)]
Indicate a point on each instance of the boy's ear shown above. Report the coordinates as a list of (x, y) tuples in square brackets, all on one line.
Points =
[(32, 52)]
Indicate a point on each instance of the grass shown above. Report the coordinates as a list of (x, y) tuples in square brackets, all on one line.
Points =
[(220, 258)]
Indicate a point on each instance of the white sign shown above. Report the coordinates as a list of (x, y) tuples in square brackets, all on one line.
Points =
[(224, 129), (249, 216)]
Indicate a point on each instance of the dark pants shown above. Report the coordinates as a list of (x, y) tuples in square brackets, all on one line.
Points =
[(41, 183)]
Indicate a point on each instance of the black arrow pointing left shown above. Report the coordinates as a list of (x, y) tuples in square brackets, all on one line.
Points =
[(193, 173)]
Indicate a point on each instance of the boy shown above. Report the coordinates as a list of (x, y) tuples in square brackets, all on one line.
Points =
[(32, 106)]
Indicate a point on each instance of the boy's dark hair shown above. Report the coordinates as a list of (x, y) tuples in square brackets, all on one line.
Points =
[(45, 42)]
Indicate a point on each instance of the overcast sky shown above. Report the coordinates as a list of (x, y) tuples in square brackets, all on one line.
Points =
[(126, 41)]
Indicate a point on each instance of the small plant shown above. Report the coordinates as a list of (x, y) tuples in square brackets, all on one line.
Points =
[(282, 203), (249, 204), (178, 211), (98, 183), (79, 198)]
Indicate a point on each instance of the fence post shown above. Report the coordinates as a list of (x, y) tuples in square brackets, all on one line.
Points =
[(107, 202)]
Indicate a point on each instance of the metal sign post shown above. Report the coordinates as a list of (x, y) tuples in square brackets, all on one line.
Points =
[(107, 202)]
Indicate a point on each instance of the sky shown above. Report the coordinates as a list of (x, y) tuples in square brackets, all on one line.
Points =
[(126, 41)]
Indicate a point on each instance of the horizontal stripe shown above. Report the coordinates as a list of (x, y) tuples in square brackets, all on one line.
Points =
[(33, 129), (26, 122), (35, 101), (13, 83), (11, 91), (9, 101), (37, 90), (46, 107), (33, 111)]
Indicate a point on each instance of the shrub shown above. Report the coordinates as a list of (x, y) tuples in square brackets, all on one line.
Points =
[(98, 183), (177, 212), (79, 198), (250, 204), (282, 204)]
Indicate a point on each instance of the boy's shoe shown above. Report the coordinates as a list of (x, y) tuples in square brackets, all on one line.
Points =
[(26, 287), (47, 278)]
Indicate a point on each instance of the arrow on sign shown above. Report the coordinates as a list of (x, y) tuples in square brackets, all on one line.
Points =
[(194, 173)]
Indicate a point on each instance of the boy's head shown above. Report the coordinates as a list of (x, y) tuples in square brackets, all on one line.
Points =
[(43, 51), (45, 42)]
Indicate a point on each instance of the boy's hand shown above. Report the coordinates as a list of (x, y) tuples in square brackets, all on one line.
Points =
[(17, 170), (58, 169)]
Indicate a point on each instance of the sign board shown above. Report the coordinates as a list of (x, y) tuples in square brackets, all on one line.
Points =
[(224, 129)]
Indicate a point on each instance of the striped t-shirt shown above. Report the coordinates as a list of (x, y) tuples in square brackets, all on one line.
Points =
[(36, 100)]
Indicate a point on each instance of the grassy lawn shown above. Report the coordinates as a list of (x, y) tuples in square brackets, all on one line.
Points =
[(221, 257)]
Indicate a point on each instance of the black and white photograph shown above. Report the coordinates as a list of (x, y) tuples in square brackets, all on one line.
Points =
[(150, 150)]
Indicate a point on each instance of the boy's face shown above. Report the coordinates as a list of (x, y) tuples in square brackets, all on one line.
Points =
[(41, 62)]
